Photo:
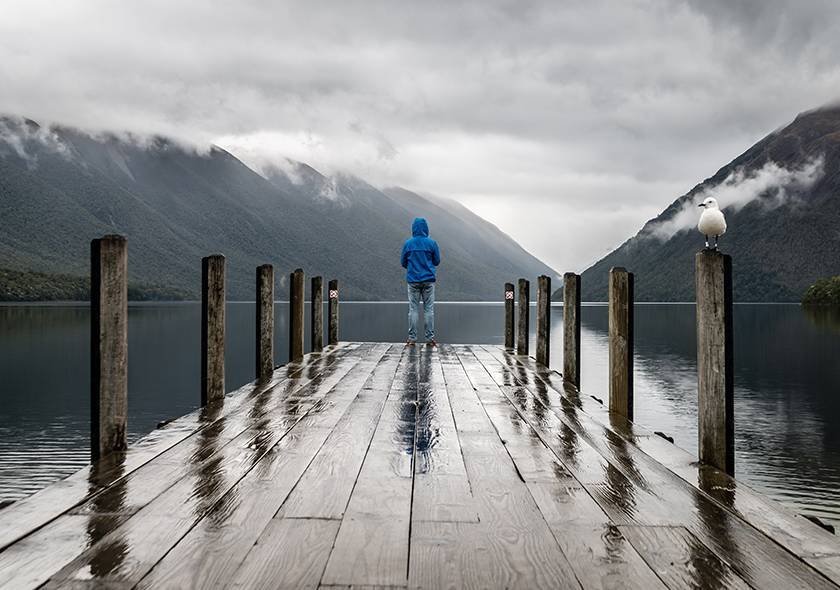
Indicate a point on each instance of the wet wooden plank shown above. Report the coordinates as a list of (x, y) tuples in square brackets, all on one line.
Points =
[(443, 498), (207, 482), (467, 411), (511, 529), (680, 559), (33, 512), (441, 486), (291, 553), (599, 553), (194, 458), (136, 490), (534, 461), (370, 550), (637, 490), (372, 543), (502, 476), (213, 550), (26, 565), (792, 531), (325, 488)]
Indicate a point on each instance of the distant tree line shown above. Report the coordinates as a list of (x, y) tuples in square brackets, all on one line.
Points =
[(18, 285), (823, 292)]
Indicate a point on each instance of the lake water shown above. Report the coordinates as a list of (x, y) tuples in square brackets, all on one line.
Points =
[(787, 381)]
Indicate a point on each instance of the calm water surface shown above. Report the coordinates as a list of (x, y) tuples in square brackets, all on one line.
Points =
[(787, 381)]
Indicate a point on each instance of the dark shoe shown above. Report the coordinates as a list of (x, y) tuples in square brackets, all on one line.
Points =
[(410, 342), (432, 343)]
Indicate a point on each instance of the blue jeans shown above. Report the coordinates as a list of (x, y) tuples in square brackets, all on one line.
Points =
[(416, 292)]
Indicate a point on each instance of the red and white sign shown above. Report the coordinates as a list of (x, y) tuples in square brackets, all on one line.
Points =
[(508, 294), (333, 293)]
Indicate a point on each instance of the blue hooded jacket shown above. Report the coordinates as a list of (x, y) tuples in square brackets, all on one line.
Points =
[(420, 254)]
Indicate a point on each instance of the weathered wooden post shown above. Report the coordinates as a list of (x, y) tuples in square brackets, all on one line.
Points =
[(212, 328), (509, 321), (265, 322), (108, 345), (332, 312), (524, 316), (296, 315), (621, 341), (715, 383), (316, 298), (543, 320), (571, 328)]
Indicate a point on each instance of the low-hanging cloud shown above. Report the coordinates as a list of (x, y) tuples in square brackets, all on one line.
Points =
[(771, 185), (17, 135), (595, 113)]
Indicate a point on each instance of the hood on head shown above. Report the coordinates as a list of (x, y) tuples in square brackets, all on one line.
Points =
[(419, 228)]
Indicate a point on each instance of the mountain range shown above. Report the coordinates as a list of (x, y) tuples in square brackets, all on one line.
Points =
[(60, 187), (781, 199)]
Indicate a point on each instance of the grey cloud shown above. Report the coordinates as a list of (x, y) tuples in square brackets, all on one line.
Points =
[(596, 114)]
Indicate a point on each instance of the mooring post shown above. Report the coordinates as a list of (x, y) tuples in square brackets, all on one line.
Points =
[(296, 315), (524, 316), (543, 320), (109, 345), (715, 383), (265, 322), (316, 298), (212, 328), (509, 321), (621, 341), (571, 328), (332, 312)]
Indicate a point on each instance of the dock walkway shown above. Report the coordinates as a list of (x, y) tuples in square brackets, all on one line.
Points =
[(374, 464)]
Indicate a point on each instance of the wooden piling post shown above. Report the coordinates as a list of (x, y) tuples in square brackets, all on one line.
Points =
[(571, 328), (524, 317), (332, 312), (621, 341), (296, 315), (715, 382), (265, 322), (543, 320), (212, 328), (109, 345), (316, 298), (509, 317)]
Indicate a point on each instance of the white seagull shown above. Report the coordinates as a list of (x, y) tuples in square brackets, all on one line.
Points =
[(712, 221)]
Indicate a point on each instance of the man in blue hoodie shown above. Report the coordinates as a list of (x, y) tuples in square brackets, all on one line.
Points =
[(420, 256)]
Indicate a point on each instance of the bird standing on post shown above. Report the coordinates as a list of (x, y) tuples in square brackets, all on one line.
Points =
[(712, 222)]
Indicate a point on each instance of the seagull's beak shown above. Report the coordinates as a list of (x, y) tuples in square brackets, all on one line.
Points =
[(701, 205)]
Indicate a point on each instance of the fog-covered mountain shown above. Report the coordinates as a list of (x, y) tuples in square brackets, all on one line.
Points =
[(61, 187), (782, 204)]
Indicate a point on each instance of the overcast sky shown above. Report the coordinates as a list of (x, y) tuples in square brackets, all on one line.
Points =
[(567, 124)]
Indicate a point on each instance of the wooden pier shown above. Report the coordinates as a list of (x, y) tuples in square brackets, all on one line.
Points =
[(374, 464)]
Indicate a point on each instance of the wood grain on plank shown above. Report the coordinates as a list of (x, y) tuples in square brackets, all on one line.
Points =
[(481, 555), (510, 521), (213, 550), (372, 543), (793, 532), (291, 553), (324, 490), (441, 485), (680, 559), (638, 490), (190, 499), (194, 454), (45, 505), (596, 548)]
